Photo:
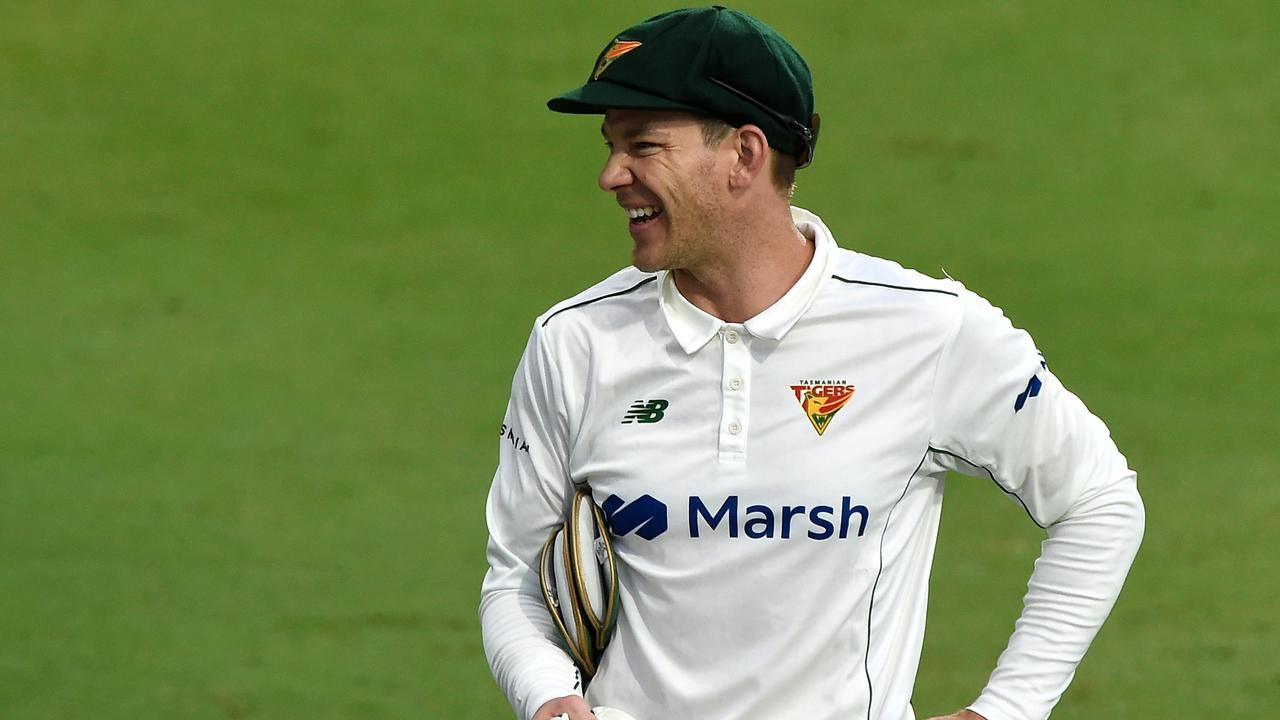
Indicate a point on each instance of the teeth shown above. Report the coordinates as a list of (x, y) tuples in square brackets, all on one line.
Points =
[(634, 213)]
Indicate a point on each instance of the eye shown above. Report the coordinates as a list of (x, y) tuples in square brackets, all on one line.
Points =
[(645, 148)]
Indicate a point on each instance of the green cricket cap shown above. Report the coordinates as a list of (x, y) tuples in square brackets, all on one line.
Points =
[(709, 61)]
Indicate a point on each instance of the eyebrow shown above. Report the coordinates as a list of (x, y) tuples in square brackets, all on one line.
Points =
[(633, 131)]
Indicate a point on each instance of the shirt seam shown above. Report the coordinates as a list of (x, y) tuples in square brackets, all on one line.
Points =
[(606, 296), (998, 484), (871, 604), (937, 367), (849, 281)]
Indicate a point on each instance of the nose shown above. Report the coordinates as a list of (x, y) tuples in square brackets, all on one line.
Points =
[(615, 174)]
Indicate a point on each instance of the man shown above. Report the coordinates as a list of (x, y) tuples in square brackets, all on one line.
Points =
[(767, 419)]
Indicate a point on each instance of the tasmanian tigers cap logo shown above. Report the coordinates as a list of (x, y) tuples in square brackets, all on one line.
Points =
[(822, 399), (619, 48)]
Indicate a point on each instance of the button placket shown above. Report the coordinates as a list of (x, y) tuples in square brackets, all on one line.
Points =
[(734, 397)]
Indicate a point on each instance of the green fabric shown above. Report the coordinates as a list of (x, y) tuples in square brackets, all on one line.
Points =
[(678, 53)]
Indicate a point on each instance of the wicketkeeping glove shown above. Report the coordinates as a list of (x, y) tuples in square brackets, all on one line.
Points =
[(580, 583)]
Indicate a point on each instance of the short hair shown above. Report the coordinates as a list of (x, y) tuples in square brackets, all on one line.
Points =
[(784, 166)]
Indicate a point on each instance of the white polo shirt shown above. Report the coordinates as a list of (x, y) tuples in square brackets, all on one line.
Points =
[(774, 489)]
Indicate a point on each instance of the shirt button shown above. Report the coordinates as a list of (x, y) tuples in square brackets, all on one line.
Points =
[(735, 383), (735, 427), (731, 336)]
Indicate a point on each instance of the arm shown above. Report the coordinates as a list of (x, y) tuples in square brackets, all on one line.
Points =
[(529, 496), (1009, 419), (1082, 566)]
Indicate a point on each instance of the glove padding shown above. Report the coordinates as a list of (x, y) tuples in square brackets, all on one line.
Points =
[(580, 585)]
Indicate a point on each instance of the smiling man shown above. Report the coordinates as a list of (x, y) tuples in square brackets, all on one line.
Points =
[(767, 420), (702, 205)]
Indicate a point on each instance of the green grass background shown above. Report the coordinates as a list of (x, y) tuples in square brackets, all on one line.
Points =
[(266, 269)]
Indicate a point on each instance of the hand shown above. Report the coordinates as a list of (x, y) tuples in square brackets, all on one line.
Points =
[(960, 715), (572, 706)]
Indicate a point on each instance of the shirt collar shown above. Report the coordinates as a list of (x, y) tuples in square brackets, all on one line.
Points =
[(693, 327)]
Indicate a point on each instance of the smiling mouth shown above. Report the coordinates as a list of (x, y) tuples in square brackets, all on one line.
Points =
[(643, 215)]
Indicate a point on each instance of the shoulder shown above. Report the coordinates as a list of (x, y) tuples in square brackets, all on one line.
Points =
[(569, 331), (945, 299), (856, 271), (628, 292)]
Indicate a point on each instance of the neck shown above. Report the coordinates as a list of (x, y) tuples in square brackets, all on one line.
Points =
[(761, 262)]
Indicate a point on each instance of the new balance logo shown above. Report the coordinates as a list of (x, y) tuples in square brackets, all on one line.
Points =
[(646, 515), (645, 412)]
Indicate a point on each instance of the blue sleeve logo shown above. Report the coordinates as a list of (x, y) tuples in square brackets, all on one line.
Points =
[(1033, 386), (1033, 389)]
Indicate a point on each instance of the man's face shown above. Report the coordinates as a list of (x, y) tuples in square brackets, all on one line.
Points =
[(671, 184)]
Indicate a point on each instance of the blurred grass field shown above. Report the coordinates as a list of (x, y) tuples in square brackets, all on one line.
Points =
[(266, 269)]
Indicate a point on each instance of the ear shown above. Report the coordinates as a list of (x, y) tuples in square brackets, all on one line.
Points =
[(752, 148)]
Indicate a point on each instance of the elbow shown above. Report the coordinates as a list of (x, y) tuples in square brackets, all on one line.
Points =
[(1137, 515), (1121, 511), (1113, 515)]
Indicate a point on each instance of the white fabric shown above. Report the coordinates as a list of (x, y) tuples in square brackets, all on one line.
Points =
[(602, 713), (791, 577)]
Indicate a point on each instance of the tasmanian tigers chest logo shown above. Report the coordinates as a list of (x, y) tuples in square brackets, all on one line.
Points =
[(822, 399)]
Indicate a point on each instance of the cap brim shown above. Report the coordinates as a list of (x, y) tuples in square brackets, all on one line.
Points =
[(597, 96)]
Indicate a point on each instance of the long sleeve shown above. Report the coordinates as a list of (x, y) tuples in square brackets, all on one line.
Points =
[(528, 498), (1006, 417)]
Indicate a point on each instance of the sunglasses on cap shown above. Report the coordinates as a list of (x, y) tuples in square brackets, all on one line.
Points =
[(807, 136)]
